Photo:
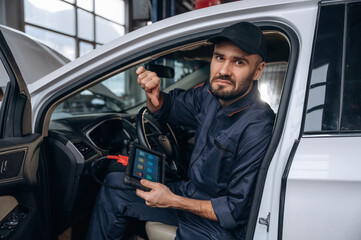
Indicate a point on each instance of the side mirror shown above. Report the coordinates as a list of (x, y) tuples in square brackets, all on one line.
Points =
[(161, 71)]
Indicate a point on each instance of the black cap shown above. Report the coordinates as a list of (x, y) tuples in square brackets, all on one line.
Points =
[(244, 35)]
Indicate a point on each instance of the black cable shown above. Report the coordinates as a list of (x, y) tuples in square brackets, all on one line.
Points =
[(102, 183)]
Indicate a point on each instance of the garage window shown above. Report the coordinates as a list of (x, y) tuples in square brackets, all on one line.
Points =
[(74, 28)]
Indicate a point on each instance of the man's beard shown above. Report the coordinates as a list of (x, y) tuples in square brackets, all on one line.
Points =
[(228, 95)]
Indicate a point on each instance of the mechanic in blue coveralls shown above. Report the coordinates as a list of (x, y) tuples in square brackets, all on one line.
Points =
[(233, 131)]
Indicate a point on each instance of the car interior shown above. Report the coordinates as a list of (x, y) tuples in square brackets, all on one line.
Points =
[(104, 119)]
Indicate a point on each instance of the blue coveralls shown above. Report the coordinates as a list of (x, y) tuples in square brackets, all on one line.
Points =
[(230, 143)]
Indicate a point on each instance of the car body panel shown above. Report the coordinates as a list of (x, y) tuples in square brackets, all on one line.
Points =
[(323, 183)]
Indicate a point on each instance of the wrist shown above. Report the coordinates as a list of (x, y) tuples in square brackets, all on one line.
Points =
[(152, 108), (174, 201)]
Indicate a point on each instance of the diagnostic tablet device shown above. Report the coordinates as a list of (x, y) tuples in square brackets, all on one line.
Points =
[(144, 163)]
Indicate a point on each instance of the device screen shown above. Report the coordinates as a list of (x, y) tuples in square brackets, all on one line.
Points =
[(146, 165)]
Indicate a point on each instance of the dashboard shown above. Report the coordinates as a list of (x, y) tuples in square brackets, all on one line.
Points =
[(72, 145), (105, 134)]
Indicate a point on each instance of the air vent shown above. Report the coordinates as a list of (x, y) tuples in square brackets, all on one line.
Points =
[(85, 149)]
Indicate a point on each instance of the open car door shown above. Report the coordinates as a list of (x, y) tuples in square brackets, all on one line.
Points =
[(21, 197)]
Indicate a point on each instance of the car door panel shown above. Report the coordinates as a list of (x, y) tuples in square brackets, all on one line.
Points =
[(19, 159), (10, 164)]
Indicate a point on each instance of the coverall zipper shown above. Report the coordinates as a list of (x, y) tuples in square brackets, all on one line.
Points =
[(190, 167)]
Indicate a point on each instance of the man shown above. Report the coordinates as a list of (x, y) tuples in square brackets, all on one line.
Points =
[(233, 131)]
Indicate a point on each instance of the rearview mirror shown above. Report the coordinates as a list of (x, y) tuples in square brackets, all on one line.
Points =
[(161, 71)]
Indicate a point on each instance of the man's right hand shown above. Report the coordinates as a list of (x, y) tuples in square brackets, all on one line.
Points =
[(150, 82)]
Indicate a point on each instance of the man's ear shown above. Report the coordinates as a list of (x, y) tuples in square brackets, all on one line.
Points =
[(258, 71)]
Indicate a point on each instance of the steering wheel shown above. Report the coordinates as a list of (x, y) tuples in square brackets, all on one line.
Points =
[(161, 139)]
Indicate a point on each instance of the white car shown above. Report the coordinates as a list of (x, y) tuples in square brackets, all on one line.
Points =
[(56, 119)]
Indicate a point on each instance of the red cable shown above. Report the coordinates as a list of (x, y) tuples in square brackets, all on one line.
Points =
[(120, 159)]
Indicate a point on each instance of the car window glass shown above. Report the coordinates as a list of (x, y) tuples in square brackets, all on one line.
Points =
[(4, 79), (184, 68), (122, 92), (351, 111), (324, 91)]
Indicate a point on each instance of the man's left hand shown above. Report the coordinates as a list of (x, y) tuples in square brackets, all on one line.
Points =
[(160, 195)]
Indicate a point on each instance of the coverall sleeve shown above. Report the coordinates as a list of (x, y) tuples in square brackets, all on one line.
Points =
[(233, 208), (181, 107)]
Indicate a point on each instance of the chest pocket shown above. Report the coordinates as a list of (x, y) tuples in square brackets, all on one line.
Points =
[(217, 165), (225, 145)]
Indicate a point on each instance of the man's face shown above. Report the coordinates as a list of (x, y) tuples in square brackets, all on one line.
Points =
[(233, 72)]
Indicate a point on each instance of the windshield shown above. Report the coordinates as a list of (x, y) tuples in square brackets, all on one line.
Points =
[(121, 92)]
